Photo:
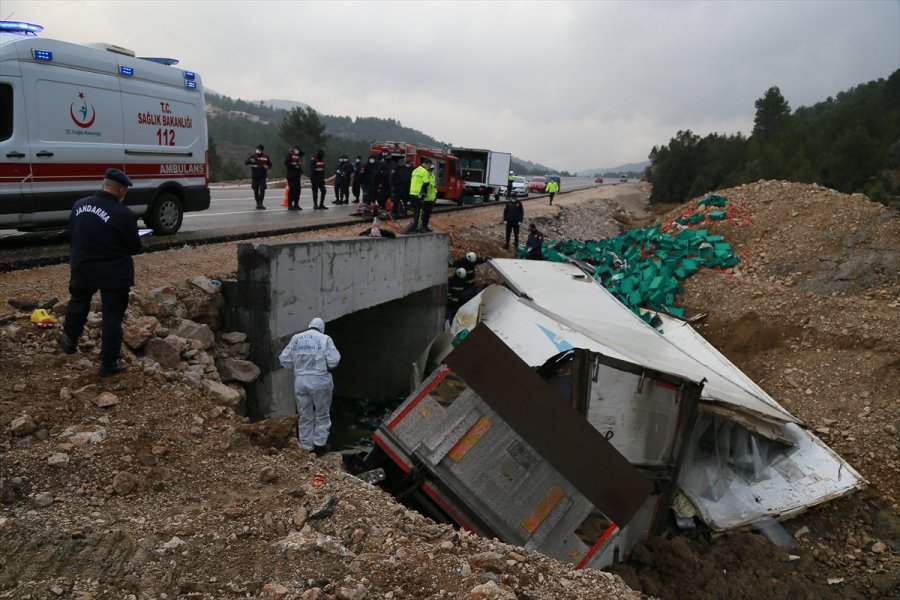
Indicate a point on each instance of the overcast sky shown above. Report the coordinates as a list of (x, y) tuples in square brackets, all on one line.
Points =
[(571, 85)]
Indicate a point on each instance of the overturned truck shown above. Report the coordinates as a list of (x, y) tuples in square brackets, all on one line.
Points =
[(554, 418)]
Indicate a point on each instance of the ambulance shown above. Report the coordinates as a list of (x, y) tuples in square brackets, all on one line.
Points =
[(69, 111)]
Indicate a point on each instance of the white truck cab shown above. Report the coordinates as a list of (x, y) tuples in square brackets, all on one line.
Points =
[(69, 111)]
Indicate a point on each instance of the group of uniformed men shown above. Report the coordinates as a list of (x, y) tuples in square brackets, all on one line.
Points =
[(378, 180)]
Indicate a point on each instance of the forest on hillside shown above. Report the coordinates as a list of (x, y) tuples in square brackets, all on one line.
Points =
[(235, 127), (850, 143)]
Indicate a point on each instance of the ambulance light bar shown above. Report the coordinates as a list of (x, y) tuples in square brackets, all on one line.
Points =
[(162, 61), (20, 27)]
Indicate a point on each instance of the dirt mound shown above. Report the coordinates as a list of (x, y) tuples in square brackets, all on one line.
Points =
[(821, 240)]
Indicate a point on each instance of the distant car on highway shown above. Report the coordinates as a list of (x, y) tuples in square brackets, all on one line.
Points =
[(623, 177), (598, 180), (520, 187), (537, 184)]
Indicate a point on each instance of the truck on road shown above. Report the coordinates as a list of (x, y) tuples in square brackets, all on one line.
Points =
[(485, 172)]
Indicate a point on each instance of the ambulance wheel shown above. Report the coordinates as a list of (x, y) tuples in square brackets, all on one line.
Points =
[(165, 215)]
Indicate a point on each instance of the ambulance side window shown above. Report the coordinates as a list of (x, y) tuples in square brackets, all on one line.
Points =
[(6, 111)]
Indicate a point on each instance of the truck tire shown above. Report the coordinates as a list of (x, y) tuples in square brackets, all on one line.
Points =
[(165, 215)]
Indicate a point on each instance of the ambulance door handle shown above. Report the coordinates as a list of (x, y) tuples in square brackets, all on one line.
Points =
[(15, 155), (44, 154)]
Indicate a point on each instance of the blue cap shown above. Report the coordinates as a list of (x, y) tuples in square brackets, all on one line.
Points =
[(118, 176)]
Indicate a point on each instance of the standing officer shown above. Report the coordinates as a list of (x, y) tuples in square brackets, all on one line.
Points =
[(103, 235), (293, 163), (383, 179), (400, 179), (317, 179), (422, 187), (367, 175), (509, 183), (513, 215), (259, 169), (342, 175), (552, 188), (312, 355), (354, 186)]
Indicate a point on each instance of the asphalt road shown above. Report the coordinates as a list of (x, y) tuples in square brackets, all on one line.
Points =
[(232, 216), (234, 207)]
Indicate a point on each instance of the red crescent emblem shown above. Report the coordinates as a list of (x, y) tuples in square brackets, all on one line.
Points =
[(79, 123)]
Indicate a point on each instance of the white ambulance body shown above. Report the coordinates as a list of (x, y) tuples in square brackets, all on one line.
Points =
[(68, 112)]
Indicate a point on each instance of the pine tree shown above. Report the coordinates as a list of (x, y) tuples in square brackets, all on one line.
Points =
[(772, 112), (302, 126)]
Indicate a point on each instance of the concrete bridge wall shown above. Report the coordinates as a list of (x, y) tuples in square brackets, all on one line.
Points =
[(382, 301)]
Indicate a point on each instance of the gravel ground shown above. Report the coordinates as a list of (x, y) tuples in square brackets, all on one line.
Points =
[(155, 490)]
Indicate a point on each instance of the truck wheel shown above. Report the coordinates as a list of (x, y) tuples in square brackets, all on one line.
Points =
[(164, 217)]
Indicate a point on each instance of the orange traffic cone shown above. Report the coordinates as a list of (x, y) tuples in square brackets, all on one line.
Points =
[(286, 191)]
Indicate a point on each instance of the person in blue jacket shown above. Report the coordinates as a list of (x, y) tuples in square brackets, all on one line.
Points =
[(317, 179), (259, 170), (400, 179), (103, 236), (293, 164), (534, 245), (513, 215), (343, 173)]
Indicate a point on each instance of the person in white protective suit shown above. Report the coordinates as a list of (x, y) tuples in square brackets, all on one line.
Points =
[(312, 355)]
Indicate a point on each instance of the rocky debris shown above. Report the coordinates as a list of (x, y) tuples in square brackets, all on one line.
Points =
[(268, 475), (10, 489), (196, 331), (206, 284), (79, 435), (233, 337), (136, 332), (123, 483), (275, 432), (83, 394), (161, 302), (105, 400), (325, 510), (165, 351), (30, 304), (43, 499), (308, 540), (491, 591), (222, 394), (234, 369), (59, 460), (22, 426)]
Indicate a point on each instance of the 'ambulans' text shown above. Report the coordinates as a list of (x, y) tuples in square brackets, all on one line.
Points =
[(176, 169)]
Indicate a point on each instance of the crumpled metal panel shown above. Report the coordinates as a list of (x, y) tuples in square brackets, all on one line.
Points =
[(563, 438)]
